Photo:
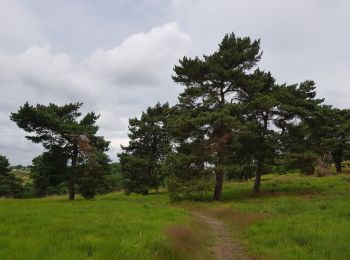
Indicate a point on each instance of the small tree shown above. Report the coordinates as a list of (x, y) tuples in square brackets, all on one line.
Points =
[(10, 186), (92, 173), (49, 172), (300, 124), (188, 179), (338, 136), (149, 143)]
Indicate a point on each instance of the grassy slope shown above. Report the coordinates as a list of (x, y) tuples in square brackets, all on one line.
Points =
[(114, 226), (297, 217)]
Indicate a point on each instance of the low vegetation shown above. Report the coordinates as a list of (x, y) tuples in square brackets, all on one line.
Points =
[(113, 226), (307, 220), (295, 217)]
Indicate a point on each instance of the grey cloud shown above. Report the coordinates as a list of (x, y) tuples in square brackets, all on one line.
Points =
[(117, 83), (99, 56), (18, 27)]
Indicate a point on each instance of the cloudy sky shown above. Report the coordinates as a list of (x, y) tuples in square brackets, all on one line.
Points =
[(116, 56)]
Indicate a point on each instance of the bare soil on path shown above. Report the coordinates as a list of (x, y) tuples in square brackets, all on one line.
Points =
[(224, 247)]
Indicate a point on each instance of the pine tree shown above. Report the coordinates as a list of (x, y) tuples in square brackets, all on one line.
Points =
[(269, 111), (149, 144), (300, 141), (49, 172), (61, 126), (340, 137), (10, 186), (211, 85)]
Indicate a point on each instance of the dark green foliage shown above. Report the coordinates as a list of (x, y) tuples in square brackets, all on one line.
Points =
[(91, 175), (325, 134), (63, 128), (271, 113), (188, 179), (10, 186), (4, 166), (208, 114), (135, 177), (337, 136), (149, 144), (232, 120), (95, 176), (115, 168), (299, 140), (238, 118), (49, 173), (113, 180)]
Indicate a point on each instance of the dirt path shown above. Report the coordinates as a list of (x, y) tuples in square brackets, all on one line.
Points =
[(224, 247)]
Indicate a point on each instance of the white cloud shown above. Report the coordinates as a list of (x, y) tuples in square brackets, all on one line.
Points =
[(138, 59), (117, 82)]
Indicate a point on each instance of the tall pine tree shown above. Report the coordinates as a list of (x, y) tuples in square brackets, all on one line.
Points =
[(211, 86)]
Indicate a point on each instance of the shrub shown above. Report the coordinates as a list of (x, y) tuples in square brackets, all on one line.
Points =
[(187, 179)]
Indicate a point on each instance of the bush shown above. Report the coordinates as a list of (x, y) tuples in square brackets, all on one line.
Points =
[(111, 183), (187, 178), (197, 189), (240, 172), (10, 185), (92, 175)]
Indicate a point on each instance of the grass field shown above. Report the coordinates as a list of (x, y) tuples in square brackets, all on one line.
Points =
[(309, 219), (114, 226), (296, 217)]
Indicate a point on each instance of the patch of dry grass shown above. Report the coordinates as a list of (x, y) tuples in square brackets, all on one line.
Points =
[(191, 241)]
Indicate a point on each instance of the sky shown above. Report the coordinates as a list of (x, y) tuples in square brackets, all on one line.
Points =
[(117, 56)]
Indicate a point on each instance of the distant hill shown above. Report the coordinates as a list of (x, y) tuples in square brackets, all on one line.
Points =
[(23, 174)]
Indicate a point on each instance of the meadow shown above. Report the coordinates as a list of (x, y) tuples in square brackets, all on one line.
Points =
[(296, 217), (113, 226)]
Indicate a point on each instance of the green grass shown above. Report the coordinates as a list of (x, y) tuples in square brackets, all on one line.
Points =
[(298, 217), (113, 226), (295, 217)]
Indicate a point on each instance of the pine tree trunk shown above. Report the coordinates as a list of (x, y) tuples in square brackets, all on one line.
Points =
[(219, 177), (71, 181), (71, 189), (259, 162), (338, 166), (310, 168), (258, 173), (338, 160)]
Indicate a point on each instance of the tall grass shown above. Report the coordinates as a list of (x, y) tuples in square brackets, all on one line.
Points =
[(295, 217), (114, 226), (304, 217)]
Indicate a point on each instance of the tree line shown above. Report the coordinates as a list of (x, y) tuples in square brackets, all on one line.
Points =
[(232, 120), (74, 158)]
